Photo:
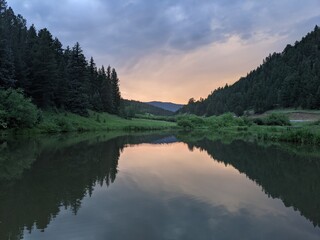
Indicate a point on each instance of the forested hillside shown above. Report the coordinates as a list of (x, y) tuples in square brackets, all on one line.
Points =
[(52, 76), (287, 79), (172, 107), (131, 107)]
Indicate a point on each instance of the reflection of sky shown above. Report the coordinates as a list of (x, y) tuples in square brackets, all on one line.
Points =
[(167, 192)]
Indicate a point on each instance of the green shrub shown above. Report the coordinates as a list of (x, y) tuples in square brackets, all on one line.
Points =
[(277, 119), (185, 123), (225, 120), (274, 119), (64, 125), (17, 111), (246, 121), (258, 121)]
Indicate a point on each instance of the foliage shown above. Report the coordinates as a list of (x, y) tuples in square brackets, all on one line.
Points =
[(16, 111), (274, 119), (190, 121), (185, 123), (53, 77), (287, 79)]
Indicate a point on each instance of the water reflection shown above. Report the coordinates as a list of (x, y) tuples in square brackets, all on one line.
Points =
[(62, 171), (133, 187), (292, 178)]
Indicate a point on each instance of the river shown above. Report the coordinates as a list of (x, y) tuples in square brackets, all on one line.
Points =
[(156, 186)]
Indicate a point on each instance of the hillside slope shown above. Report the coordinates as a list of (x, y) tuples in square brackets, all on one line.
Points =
[(287, 79), (173, 107), (136, 107)]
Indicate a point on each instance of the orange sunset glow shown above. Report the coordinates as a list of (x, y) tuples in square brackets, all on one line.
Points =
[(175, 50)]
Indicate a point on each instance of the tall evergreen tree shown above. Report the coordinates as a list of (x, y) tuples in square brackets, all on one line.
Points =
[(31, 45), (7, 78), (93, 85), (44, 68), (106, 90), (61, 86), (77, 99), (116, 97)]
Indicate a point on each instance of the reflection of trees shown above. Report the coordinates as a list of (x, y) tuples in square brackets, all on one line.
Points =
[(60, 176), (15, 158), (291, 178)]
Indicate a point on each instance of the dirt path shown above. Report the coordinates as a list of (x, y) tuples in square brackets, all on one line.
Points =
[(304, 116), (294, 116)]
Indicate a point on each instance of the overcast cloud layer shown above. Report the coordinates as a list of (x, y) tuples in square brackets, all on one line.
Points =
[(174, 50)]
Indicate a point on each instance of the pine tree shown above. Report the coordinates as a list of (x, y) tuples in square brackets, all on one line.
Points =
[(77, 100), (61, 86), (106, 90), (44, 68), (19, 46), (6, 54), (93, 84), (116, 97)]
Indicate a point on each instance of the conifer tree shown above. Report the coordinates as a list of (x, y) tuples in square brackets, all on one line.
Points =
[(77, 73), (93, 84), (44, 68), (7, 78), (116, 97)]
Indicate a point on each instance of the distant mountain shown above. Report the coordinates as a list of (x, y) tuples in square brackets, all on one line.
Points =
[(172, 107), (290, 79), (137, 107)]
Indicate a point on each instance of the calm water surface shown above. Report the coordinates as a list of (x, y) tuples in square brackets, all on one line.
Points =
[(156, 187)]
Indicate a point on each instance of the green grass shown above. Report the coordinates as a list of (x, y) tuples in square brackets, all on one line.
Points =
[(68, 122), (273, 128)]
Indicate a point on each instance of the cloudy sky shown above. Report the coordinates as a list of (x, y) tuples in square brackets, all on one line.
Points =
[(171, 50)]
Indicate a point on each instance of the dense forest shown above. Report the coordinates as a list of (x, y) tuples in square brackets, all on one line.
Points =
[(290, 79), (53, 77)]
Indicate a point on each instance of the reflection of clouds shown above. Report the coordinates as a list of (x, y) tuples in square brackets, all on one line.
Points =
[(167, 192), (183, 173)]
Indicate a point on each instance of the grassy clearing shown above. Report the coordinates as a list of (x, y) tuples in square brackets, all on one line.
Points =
[(274, 127), (294, 114), (67, 122)]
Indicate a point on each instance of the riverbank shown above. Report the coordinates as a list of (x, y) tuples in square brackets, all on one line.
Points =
[(275, 128), (63, 122)]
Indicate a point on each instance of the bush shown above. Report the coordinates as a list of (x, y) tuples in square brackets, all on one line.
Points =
[(17, 111), (225, 120), (185, 123), (258, 121), (64, 124), (276, 119)]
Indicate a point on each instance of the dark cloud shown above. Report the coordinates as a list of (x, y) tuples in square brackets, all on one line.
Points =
[(131, 28), (130, 33)]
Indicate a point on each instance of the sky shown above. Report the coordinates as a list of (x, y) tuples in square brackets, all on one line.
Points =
[(172, 50)]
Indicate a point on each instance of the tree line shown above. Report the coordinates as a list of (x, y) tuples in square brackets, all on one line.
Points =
[(290, 79), (52, 76)]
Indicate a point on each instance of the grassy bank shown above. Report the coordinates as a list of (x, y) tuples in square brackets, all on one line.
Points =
[(53, 122), (275, 127)]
